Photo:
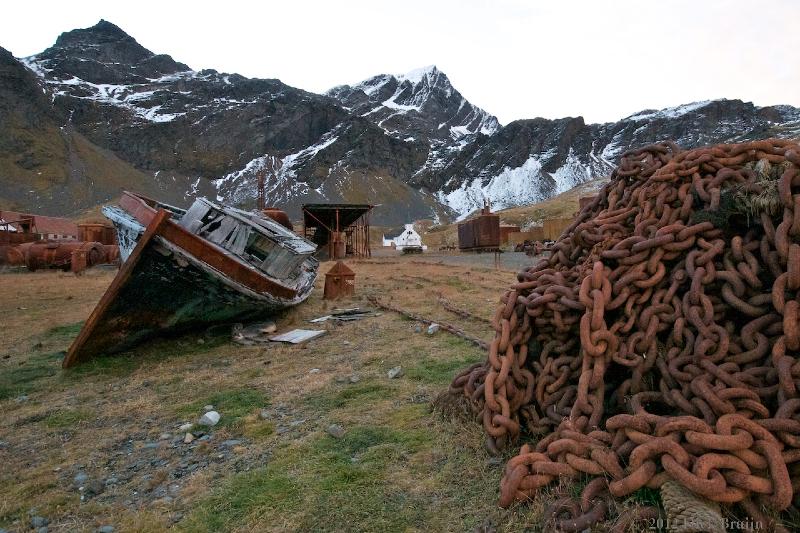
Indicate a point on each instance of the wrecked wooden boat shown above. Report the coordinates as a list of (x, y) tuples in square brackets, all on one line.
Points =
[(185, 269)]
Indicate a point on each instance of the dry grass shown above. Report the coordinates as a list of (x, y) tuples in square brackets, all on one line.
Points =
[(399, 466)]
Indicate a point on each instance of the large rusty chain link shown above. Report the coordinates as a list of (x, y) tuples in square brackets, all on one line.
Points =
[(659, 340)]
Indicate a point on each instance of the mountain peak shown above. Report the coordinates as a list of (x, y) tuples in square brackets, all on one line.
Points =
[(421, 104), (103, 53), (415, 76), (103, 34)]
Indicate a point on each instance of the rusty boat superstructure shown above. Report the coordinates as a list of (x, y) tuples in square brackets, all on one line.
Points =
[(184, 269)]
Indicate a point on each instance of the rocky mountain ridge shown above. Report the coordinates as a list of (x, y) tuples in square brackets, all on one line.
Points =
[(115, 115)]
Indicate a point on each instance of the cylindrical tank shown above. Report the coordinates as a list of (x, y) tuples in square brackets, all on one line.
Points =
[(279, 216), (95, 232), (112, 253), (59, 254), (339, 250)]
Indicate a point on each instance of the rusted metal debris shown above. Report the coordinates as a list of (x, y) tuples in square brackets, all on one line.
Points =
[(40, 242), (458, 332), (75, 256), (463, 313), (660, 339), (186, 269)]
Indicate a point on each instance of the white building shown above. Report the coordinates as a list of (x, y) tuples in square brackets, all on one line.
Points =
[(407, 237)]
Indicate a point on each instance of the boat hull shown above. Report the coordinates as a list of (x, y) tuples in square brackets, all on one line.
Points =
[(165, 288)]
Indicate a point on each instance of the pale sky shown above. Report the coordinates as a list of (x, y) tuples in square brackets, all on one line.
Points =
[(514, 58)]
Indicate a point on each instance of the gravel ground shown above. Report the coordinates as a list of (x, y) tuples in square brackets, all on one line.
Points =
[(513, 261)]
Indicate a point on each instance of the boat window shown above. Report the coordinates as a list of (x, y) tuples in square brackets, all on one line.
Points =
[(258, 247)]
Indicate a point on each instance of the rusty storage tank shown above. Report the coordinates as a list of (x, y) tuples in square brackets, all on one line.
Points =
[(339, 281), (94, 232), (482, 233), (339, 245), (279, 216), (60, 254)]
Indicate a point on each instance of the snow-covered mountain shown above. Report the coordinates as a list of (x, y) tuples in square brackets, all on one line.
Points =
[(422, 104), (97, 113)]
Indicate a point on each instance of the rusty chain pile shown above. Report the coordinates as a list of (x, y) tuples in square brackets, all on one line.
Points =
[(659, 340)]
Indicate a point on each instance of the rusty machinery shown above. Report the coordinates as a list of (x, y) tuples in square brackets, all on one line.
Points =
[(659, 340), (75, 256)]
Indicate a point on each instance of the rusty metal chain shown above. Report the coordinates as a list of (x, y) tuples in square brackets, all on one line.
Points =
[(458, 332), (659, 340)]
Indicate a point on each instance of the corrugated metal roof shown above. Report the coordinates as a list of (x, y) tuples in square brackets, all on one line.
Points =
[(44, 224)]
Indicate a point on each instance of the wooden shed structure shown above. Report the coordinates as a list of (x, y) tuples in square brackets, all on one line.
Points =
[(338, 230)]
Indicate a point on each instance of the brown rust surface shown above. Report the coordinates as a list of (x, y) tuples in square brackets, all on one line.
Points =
[(660, 339)]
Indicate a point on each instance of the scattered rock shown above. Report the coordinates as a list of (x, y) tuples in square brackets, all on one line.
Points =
[(336, 431), (210, 418), (295, 423), (208, 408), (205, 438), (188, 438), (314, 371), (165, 436), (264, 414), (94, 488), (79, 479), (21, 398), (185, 427), (396, 372), (433, 328), (111, 481), (43, 529), (200, 341), (341, 379), (281, 430), (268, 327), (151, 445), (355, 378), (39, 521), (418, 328), (105, 529), (346, 343)]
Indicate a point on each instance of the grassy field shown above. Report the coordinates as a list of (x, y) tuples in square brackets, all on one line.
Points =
[(99, 445)]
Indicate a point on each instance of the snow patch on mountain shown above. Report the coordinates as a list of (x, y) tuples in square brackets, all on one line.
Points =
[(669, 112), (573, 172), (513, 186), (130, 97), (280, 175)]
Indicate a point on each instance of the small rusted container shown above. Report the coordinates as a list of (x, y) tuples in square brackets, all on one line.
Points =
[(339, 281)]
